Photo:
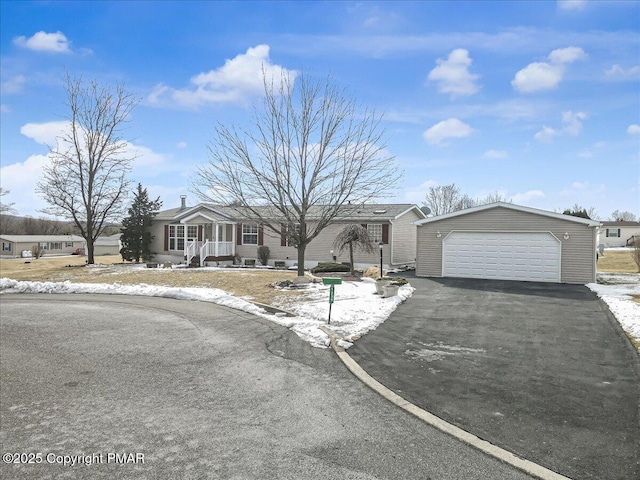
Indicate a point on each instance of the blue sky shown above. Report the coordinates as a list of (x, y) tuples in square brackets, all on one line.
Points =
[(539, 101)]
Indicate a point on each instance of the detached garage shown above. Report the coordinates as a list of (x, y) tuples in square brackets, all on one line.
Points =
[(503, 241)]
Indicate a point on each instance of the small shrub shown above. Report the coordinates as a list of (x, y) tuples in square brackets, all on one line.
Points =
[(400, 281), (237, 259), (37, 251), (263, 254), (330, 267)]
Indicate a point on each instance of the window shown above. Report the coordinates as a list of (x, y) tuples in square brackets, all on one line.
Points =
[(375, 232), (176, 236), (43, 246), (68, 245), (249, 234), (285, 235), (6, 246), (613, 232)]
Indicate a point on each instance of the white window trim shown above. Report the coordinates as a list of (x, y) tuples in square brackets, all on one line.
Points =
[(374, 236), (611, 231), (257, 229)]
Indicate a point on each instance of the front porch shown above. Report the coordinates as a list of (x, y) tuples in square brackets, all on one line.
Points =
[(215, 242)]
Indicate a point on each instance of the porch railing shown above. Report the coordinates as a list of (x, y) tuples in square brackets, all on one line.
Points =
[(192, 251)]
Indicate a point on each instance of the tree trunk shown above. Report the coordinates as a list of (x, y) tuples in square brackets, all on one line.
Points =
[(353, 271), (90, 259), (301, 250)]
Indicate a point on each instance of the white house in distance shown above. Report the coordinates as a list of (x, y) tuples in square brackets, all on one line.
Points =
[(618, 234), (14, 245), (208, 234)]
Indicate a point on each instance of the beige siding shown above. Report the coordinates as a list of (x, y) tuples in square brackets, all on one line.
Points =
[(319, 250), (578, 252), (403, 241), (20, 246)]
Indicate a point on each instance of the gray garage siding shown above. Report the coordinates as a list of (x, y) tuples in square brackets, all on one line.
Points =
[(578, 252)]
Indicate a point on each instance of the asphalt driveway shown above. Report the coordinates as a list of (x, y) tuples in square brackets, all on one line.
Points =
[(202, 391), (542, 370)]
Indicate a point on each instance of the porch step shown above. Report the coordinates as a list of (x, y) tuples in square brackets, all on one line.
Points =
[(195, 261)]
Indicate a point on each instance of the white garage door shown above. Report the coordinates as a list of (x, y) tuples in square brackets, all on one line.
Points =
[(502, 255)]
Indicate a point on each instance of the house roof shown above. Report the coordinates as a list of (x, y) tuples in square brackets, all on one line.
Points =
[(511, 206), (620, 224), (42, 238), (348, 212)]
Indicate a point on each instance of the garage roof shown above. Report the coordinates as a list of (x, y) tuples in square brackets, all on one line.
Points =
[(511, 206)]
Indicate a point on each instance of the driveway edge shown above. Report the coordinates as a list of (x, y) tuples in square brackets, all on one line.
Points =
[(501, 454)]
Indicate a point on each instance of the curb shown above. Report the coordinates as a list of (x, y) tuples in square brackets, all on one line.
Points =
[(527, 466), (272, 309)]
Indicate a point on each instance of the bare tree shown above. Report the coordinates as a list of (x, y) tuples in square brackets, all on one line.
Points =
[(491, 198), (443, 199), (580, 211), (353, 237), (626, 216), (309, 153), (6, 208), (87, 179)]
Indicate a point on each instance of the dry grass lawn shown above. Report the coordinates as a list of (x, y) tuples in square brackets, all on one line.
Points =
[(249, 284), (617, 261)]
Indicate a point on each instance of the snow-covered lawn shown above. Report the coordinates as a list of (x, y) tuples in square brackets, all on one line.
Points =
[(616, 290), (356, 310)]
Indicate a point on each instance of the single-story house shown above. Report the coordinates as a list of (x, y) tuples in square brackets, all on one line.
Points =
[(618, 234), (107, 245), (209, 234), (14, 245), (508, 242)]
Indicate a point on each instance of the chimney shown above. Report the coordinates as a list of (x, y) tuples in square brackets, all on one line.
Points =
[(183, 202)]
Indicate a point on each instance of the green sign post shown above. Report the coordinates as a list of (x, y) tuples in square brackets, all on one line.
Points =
[(332, 291)]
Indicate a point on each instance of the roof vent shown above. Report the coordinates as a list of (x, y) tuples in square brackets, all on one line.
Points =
[(379, 212)]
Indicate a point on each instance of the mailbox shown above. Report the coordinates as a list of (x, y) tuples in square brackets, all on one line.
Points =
[(331, 281)]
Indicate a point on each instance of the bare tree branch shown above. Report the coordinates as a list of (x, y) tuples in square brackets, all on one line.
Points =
[(87, 179), (310, 152)]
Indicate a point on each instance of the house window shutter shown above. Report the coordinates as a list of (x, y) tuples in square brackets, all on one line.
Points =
[(260, 235), (239, 234), (385, 233), (619, 234), (364, 225), (200, 229), (283, 235), (166, 238)]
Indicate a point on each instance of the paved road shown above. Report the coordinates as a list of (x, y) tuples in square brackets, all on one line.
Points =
[(204, 392), (542, 370)]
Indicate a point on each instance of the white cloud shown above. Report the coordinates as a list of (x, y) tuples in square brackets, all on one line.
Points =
[(616, 72), (520, 198), (496, 154), (567, 55), (45, 42), (570, 5), (181, 145), (238, 79), (633, 129), (546, 75), (571, 125), (44, 133), (21, 180), (600, 144), (13, 84), (4, 108), (450, 128), (546, 135), (572, 122), (586, 154), (453, 76)]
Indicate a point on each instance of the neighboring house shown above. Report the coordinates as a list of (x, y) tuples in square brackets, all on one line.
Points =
[(618, 234), (108, 245), (508, 242), (214, 234), (15, 245)]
